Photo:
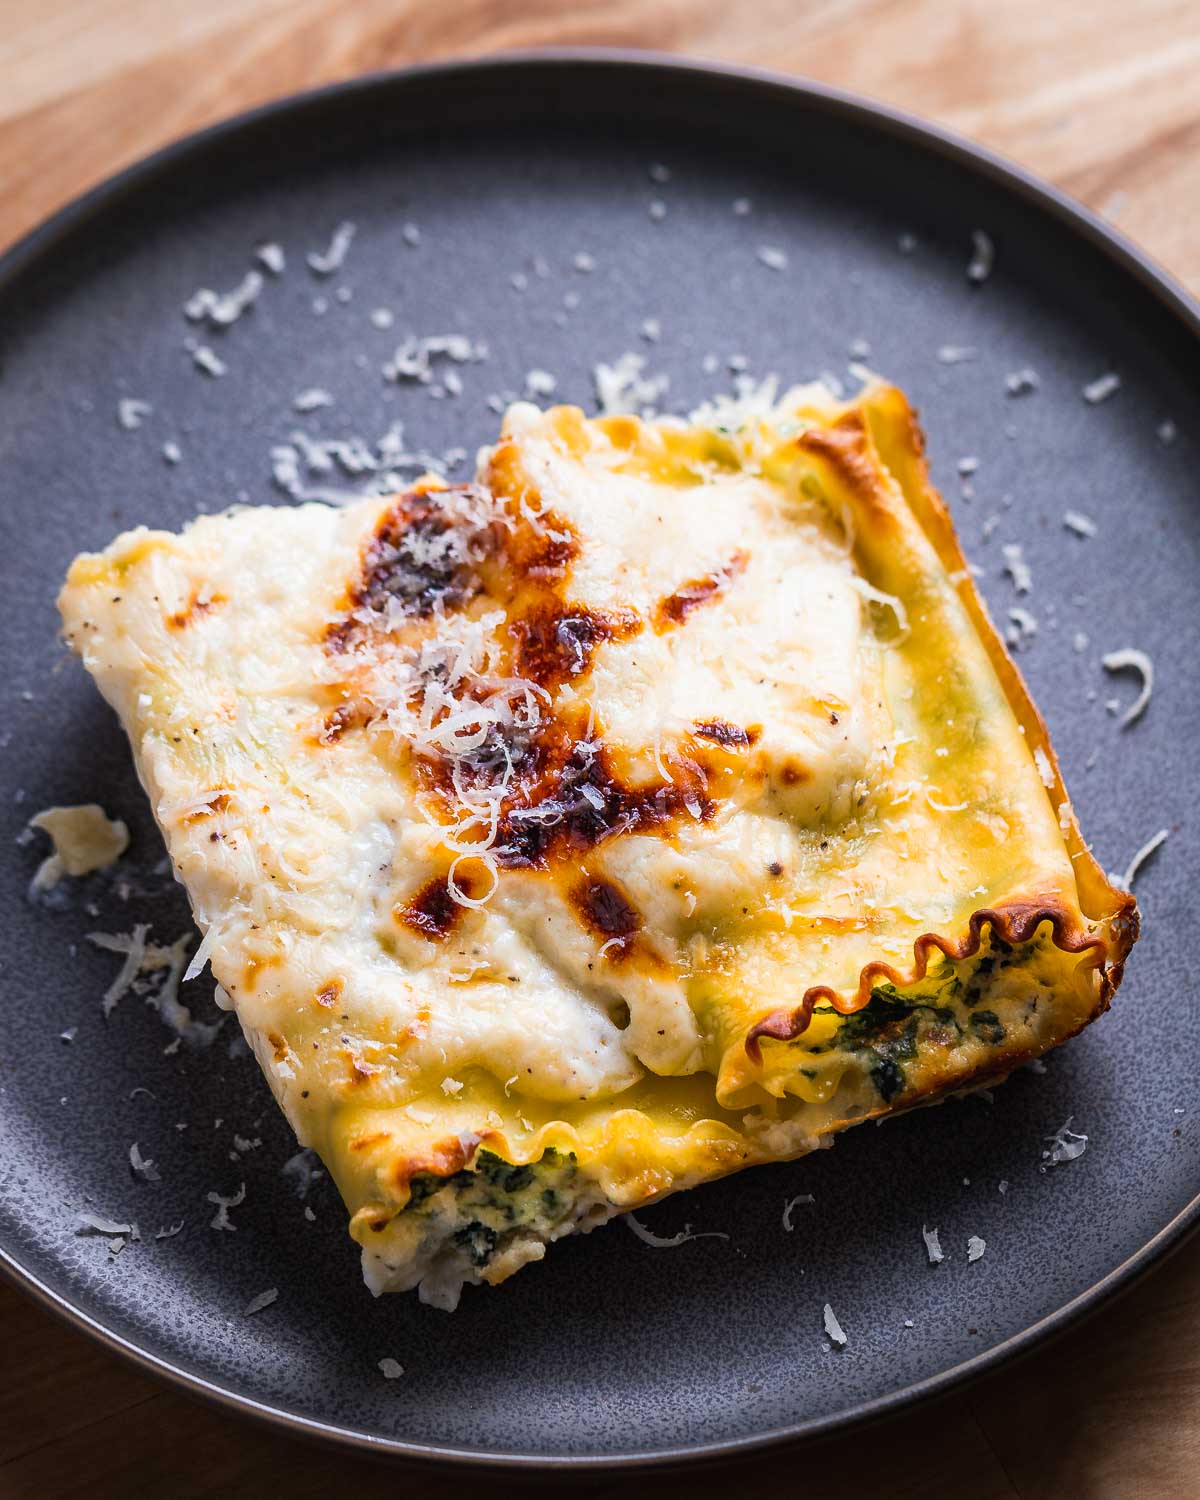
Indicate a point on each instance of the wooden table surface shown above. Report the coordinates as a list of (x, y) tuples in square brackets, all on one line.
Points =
[(1100, 96)]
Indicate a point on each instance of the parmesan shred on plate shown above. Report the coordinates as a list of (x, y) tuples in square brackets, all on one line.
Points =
[(1017, 568), (1022, 628), (833, 1328), (379, 468), (131, 412), (390, 1369), (622, 387), (794, 1203), (1125, 880), (326, 262), (1022, 382), (933, 1247), (221, 1219), (657, 1242), (143, 961), (221, 309), (1082, 525), (975, 1248), (271, 255), (264, 1299), (142, 1166), (1101, 388), (97, 1224), (983, 257), (1065, 1145), (1129, 660)]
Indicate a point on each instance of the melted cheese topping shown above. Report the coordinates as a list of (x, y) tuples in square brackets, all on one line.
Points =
[(578, 807)]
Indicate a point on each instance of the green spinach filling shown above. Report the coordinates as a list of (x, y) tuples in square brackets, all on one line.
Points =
[(493, 1198), (889, 1031)]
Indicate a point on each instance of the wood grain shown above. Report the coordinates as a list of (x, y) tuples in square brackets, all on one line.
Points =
[(1102, 98)]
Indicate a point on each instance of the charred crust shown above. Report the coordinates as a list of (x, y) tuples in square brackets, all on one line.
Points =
[(674, 608), (432, 911), (555, 643), (729, 736), (423, 554), (604, 908)]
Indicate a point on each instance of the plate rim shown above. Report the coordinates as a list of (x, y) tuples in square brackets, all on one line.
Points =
[(891, 121)]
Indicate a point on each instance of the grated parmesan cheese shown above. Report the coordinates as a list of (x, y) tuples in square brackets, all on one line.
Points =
[(205, 360), (96, 1224), (621, 387), (301, 1170), (414, 359), (130, 413), (1128, 659), (256, 1304), (794, 1203), (1022, 382), (1065, 1145), (221, 1220), (657, 1242), (975, 1248), (1045, 769), (326, 262), (1125, 881), (833, 1328), (142, 1166), (933, 1248), (983, 257), (955, 354), (221, 309), (391, 1369), (540, 383), (1022, 629), (271, 255), (1080, 524), (1101, 388), (772, 257), (1017, 568), (312, 399)]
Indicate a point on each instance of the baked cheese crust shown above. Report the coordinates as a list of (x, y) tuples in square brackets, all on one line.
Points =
[(660, 803)]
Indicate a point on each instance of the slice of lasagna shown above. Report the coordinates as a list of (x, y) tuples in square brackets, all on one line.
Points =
[(658, 804)]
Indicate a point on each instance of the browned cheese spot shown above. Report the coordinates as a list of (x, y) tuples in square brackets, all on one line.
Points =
[(218, 804), (433, 911), (424, 553), (674, 608), (329, 994), (345, 716), (729, 736), (194, 609), (555, 643)]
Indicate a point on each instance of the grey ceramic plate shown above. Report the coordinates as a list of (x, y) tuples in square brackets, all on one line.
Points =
[(610, 1352)]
